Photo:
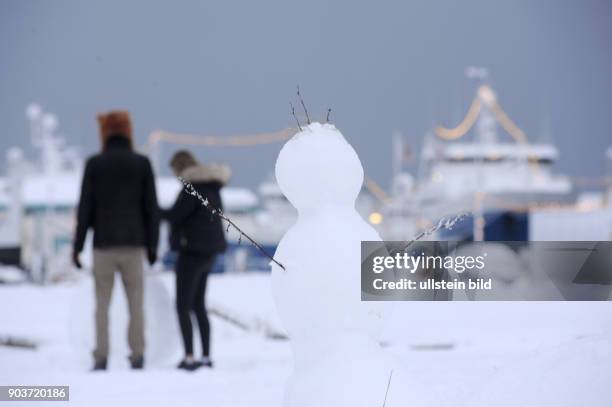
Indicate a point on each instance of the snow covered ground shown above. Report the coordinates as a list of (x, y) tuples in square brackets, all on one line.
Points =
[(446, 354)]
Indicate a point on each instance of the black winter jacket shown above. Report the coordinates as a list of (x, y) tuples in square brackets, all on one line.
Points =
[(193, 228), (118, 199)]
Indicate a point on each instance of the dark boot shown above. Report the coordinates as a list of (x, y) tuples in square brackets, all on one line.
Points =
[(190, 365), (137, 362), (99, 364), (206, 362)]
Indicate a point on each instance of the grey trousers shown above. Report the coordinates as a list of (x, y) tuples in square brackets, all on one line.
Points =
[(128, 261)]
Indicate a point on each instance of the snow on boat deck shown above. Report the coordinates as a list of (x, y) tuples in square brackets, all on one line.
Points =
[(447, 354)]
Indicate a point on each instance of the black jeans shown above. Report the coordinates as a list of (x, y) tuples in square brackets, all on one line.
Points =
[(191, 275)]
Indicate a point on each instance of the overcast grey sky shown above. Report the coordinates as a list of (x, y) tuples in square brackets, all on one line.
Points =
[(231, 67)]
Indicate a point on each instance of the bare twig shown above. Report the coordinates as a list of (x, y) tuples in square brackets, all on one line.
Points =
[(230, 319), (17, 342), (294, 116), (190, 189), (256, 325), (443, 223), (303, 105), (387, 392), (327, 118)]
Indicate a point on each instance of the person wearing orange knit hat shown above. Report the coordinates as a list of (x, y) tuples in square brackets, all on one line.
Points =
[(119, 203)]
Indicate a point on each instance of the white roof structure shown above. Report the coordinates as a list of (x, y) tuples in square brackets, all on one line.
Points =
[(233, 198), (63, 189), (493, 151), (43, 190)]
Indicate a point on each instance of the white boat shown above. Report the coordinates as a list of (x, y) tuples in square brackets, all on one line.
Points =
[(503, 183)]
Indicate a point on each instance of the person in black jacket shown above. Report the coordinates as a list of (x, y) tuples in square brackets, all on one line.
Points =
[(118, 201), (198, 237)]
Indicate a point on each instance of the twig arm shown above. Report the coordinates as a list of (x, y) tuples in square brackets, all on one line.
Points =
[(190, 189)]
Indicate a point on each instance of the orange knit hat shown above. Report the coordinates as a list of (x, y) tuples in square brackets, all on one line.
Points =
[(113, 123)]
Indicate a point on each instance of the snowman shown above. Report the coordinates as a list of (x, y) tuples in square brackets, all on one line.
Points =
[(337, 359)]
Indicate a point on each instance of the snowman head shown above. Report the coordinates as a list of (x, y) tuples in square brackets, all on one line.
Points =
[(319, 168)]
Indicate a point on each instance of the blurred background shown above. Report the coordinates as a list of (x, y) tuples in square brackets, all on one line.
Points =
[(232, 68), (494, 111)]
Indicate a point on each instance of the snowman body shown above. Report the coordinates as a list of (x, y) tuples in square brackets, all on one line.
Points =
[(337, 360)]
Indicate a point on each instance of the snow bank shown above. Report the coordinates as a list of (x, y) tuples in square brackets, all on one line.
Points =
[(499, 354)]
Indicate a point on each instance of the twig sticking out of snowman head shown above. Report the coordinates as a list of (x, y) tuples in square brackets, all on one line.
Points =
[(303, 105), (308, 121), (294, 116), (190, 189)]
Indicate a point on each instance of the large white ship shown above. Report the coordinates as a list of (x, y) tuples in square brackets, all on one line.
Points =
[(503, 183)]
